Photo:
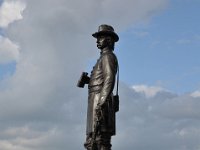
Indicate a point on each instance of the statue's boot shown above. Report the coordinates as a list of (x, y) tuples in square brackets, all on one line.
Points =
[(105, 148)]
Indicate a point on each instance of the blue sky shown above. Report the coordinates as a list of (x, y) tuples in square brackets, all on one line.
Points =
[(7, 70), (164, 51), (161, 51)]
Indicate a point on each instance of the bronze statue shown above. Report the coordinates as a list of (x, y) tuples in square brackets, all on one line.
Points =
[(102, 104)]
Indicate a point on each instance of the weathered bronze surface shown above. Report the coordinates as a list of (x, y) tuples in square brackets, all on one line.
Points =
[(101, 102)]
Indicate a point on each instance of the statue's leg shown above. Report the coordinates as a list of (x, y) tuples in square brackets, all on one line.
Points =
[(104, 142), (87, 144)]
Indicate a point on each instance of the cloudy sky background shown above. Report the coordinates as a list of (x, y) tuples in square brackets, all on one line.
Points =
[(45, 45)]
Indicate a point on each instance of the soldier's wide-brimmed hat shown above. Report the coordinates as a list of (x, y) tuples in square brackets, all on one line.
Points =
[(105, 29)]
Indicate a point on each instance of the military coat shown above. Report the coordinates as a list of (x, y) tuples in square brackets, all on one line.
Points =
[(100, 90)]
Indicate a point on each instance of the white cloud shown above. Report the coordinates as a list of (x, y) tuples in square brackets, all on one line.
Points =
[(9, 51), (11, 11), (149, 91), (171, 118), (40, 106), (195, 94), (33, 138)]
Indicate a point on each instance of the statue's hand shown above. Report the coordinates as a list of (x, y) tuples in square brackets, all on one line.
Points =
[(102, 102), (100, 105), (98, 111)]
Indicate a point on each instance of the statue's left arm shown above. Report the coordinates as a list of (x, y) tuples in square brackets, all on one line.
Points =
[(109, 69)]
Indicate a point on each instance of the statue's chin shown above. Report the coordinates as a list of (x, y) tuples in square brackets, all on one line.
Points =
[(98, 46)]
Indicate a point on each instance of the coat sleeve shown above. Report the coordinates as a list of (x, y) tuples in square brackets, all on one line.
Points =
[(109, 69)]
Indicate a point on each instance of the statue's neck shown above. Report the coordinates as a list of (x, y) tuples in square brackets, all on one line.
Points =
[(105, 50)]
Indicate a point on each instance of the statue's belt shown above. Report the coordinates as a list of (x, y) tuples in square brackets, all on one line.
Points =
[(95, 88)]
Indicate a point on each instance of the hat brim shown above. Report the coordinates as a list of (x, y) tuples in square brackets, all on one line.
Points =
[(113, 34)]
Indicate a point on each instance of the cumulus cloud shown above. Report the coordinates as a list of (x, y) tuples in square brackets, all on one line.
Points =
[(163, 121), (149, 91), (11, 11), (195, 94), (40, 106), (9, 51)]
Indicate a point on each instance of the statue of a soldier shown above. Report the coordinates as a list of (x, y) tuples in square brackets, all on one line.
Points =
[(101, 102)]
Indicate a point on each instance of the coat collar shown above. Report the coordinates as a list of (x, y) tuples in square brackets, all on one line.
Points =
[(105, 50)]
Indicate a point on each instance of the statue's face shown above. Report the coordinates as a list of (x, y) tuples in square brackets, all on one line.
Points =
[(102, 42)]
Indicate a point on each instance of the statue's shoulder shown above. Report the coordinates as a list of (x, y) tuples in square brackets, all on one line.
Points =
[(109, 57)]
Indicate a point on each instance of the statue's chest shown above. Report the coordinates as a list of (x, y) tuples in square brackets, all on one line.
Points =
[(97, 69)]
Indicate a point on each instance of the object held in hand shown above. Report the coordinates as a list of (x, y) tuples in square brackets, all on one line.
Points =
[(84, 79)]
